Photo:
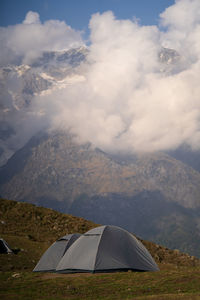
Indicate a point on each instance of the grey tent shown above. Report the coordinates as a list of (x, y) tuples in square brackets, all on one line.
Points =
[(106, 249), (55, 252), (4, 248)]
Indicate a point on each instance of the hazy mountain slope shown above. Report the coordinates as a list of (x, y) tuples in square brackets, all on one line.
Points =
[(148, 214), (55, 167), (187, 156), (155, 196)]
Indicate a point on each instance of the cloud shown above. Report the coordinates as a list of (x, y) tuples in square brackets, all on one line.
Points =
[(32, 18), (128, 99), (183, 21), (28, 40), (126, 103)]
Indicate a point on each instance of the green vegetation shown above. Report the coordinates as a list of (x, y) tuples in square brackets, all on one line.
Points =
[(32, 229), (169, 283)]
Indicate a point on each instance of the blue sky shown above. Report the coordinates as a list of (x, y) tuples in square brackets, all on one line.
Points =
[(77, 13)]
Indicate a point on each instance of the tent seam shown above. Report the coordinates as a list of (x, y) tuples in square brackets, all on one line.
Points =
[(98, 248)]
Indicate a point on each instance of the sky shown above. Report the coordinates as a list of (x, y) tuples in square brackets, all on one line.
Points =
[(127, 99), (77, 13)]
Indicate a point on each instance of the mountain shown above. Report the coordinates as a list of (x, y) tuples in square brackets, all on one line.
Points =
[(53, 70), (153, 195), (70, 169), (187, 156), (20, 83), (71, 58)]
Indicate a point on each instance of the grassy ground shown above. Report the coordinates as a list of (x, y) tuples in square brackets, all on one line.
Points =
[(31, 230), (170, 283)]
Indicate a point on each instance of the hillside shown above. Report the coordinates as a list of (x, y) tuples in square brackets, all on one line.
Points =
[(30, 230)]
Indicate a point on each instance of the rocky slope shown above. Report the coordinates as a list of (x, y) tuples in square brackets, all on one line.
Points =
[(54, 164)]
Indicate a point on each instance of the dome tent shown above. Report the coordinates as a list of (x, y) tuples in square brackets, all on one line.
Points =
[(106, 249), (50, 259), (4, 248)]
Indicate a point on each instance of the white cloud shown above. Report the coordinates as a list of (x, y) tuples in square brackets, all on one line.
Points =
[(125, 102), (29, 39), (32, 18), (183, 23)]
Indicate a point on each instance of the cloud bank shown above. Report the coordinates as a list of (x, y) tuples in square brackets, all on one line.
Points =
[(128, 100), (25, 42)]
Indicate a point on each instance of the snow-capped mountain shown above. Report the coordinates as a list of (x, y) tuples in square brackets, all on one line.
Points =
[(171, 62), (71, 58), (19, 84)]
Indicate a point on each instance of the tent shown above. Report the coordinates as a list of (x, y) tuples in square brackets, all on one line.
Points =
[(4, 248), (54, 253), (106, 249)]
